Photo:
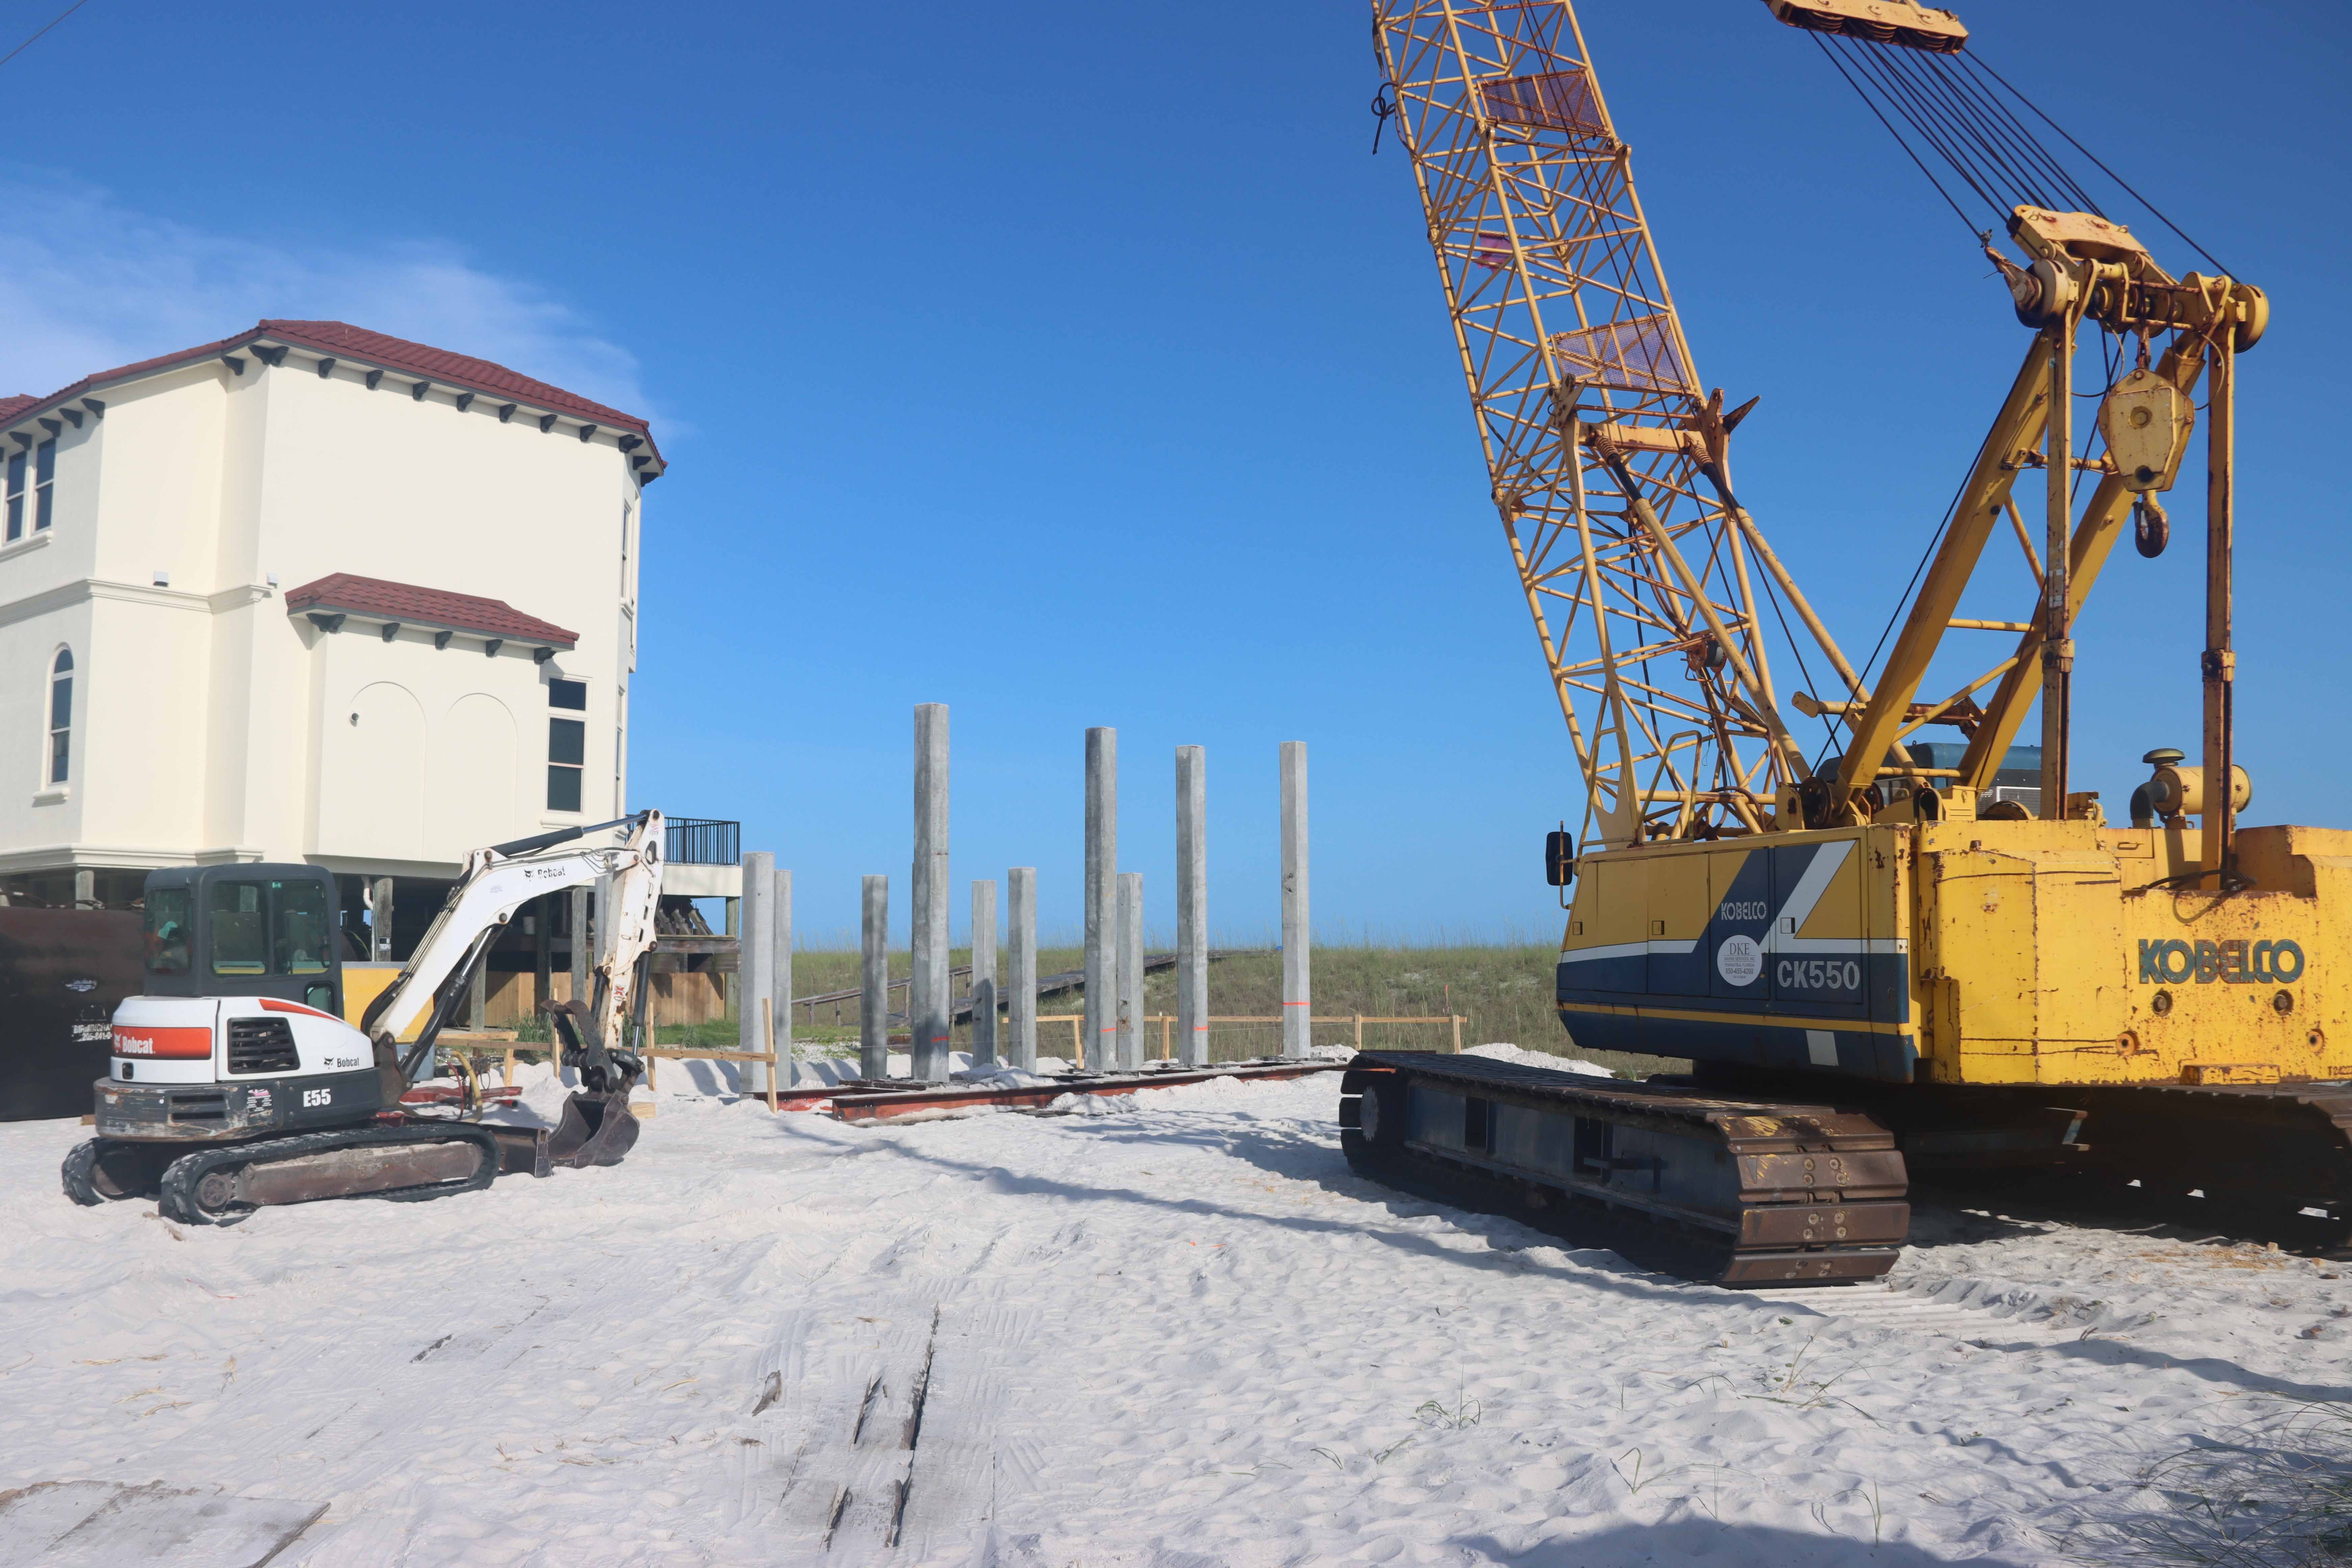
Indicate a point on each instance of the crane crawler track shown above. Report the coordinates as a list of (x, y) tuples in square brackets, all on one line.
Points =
[(1731, 1191), (2261, 1157), (2266, 1150), (402, 1162)]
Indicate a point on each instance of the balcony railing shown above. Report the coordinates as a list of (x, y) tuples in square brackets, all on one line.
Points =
[(700, 841)]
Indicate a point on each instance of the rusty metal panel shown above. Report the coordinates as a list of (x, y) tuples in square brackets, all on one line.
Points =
[(1821, 1224), (62, 974), (2061, 952), (351, 1172), (2085, 963), (1984, 984), (1768, 1178), (1797, 1268)]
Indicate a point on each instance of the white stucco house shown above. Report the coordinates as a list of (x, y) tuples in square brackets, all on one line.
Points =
[(310, 593)]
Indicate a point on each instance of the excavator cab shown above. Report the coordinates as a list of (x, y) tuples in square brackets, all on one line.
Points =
[(244, 930)]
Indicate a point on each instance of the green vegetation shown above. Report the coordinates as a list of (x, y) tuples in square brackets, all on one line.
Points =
[(1504, 993), (2273, 1490)]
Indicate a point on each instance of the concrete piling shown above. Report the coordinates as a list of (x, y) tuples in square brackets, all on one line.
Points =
[(543, 939), (1130, 971), (931, 1005), (731, 984), (1021, 1014), (583, 956), (780, 972), (983, 976), (874, 997), (1191, 906), (1101, 895), (1296, 1014), (379, 921), (755, 966)]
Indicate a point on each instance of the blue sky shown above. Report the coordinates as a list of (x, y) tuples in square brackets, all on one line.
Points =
[(1077, 364)]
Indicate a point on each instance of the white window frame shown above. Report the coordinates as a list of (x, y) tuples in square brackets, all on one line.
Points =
[(576, 715), (45, 488), (14, 473), (50, 728)]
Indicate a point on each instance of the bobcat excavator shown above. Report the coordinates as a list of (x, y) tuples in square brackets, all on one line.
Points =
[(235, 1083), (1884, 954)]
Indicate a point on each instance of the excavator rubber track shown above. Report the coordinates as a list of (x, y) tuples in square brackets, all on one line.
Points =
[(1723, 1190), (397, 1157), (399, 1161)]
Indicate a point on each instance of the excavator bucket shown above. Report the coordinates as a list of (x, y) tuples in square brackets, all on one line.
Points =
[(596, 1129)]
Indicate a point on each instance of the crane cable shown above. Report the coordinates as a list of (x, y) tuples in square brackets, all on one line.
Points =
[(1957, 108), (2182, 233), (1839, 66)]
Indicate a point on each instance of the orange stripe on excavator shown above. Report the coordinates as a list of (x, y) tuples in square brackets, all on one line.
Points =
[(272, 1005), (184, 1041)]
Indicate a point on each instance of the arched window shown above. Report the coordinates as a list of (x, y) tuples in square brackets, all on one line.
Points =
[(60, 715)]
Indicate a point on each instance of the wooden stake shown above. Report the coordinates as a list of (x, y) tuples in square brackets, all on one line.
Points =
[(768, 1028)]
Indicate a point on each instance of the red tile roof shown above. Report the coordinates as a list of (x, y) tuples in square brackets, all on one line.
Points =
[(376, 599), (444, 368), (341, 341)]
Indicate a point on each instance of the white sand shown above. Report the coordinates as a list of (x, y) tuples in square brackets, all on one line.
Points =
[(1526, 1058), (1174, 1331)]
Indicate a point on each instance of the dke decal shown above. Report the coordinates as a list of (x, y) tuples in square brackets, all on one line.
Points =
[(2237, 963)]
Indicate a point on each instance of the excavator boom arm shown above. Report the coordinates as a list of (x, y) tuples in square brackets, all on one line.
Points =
[(500, 879)]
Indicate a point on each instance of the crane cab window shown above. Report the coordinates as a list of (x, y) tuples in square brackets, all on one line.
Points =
[(167, 930), (270, 928), (241, 919), (300, 929)]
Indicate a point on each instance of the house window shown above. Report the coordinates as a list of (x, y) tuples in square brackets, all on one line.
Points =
[(60, 715), (15, 496), (45, 489), (567, 745)]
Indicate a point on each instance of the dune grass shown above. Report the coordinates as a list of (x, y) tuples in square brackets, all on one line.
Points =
[(2272, 1490), (1502, 991)]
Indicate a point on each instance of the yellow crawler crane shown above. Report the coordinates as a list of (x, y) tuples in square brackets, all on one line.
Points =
[(1887, 947)]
